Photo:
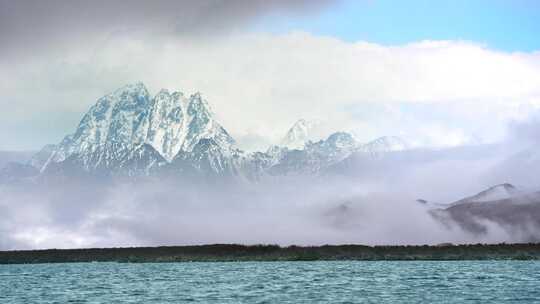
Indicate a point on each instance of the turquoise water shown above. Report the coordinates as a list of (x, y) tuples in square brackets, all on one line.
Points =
[(273, 282)]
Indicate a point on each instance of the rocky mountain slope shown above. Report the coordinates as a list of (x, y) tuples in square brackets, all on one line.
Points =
[(494, 193), (501, 206)]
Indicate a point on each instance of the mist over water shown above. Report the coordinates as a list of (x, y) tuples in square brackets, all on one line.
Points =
[(361, 200), (367, 203)]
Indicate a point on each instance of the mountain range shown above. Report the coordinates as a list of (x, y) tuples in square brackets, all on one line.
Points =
[(130, 133)]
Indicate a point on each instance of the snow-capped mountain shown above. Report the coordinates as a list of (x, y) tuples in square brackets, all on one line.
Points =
[(130, 133), (315, 156), (299, 134), (383, 145), (129, 130)]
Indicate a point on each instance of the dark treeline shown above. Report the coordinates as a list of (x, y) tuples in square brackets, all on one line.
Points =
[(224, 252)]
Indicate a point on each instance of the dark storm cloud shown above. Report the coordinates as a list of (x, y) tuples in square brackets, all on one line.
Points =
[(30, 25)]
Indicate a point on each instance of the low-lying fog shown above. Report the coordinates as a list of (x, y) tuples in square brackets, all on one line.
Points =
[(363, 202)]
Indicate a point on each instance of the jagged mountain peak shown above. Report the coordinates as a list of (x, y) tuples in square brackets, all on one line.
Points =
[(129, 117), (341, 140), (314, 157), (163, 94), (135, 86), (199, 106), (130, 94), (129, 132), (393, 143), (300, 133), (383, 145)]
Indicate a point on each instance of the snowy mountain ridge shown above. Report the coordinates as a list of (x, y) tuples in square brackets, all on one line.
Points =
[(383, 145), (299, 134), (131, 133), (130, 120)]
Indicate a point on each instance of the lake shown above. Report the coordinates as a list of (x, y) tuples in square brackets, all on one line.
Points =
[(274, 282)]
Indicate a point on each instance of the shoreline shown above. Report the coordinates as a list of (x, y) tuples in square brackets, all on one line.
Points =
[(254, 253)]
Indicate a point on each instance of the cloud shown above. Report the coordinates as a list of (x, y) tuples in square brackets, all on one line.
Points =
[(55, 65), (259, 84), (163, 213), (526, 130), (366, 201), (29, 26), (371, 202)]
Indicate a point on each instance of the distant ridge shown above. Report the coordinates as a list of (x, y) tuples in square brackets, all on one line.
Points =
[(494, 193)]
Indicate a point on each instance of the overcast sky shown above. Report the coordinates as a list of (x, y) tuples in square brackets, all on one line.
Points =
[(449, 74), (444, 75)]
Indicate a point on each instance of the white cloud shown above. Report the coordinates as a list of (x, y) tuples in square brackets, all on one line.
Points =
[(258, 84)]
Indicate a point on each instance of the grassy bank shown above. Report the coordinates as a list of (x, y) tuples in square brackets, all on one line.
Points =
[(217, 253)]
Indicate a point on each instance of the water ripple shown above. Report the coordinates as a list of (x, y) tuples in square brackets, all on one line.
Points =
[(273, 282)]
